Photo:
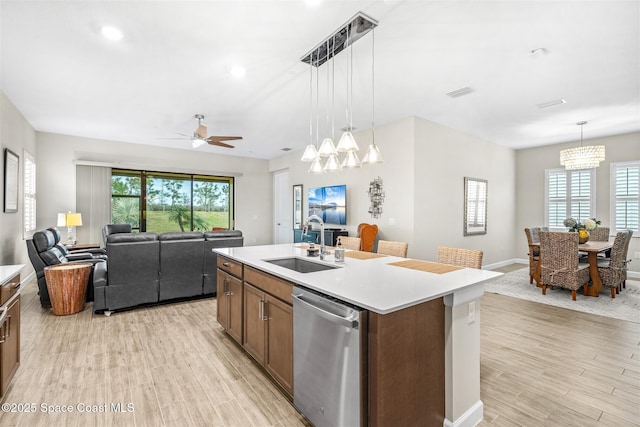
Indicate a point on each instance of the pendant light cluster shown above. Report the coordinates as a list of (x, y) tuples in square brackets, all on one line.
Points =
[(582, 157), (328, 151)]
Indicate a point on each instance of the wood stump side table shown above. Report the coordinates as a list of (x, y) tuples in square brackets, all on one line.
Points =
[(67, 286)]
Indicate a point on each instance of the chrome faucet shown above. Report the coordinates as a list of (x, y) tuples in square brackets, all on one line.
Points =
[(306, 227)]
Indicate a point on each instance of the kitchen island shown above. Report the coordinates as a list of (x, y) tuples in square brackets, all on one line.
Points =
[(423, 336)]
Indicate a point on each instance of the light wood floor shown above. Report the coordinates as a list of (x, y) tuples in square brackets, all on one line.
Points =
[(540, 365)]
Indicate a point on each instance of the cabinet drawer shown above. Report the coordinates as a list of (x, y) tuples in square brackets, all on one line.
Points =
[(277, 287), (230, 266), (9, 288)]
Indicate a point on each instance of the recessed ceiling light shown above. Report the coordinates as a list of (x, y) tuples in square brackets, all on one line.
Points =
[(112, 33), (238, 72), (551, 103), (460, 92), (312, 3)]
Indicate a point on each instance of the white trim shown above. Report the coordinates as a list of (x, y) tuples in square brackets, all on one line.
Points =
[(148, 166), (470, 418), (613, 167)]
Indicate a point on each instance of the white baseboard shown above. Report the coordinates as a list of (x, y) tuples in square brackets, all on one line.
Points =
[(470, 418), (525, 261)]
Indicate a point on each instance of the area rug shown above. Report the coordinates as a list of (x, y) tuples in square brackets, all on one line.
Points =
[(625, 306)]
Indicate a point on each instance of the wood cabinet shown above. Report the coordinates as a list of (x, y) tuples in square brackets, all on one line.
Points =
[(268, 324), (9, 331), (230, 297)]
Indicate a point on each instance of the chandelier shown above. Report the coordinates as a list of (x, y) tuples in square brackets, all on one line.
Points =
[(342, 38), (582, 157)]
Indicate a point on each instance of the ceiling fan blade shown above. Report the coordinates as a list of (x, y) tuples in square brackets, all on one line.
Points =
[(181, 139), (219, 143), (223, 138)]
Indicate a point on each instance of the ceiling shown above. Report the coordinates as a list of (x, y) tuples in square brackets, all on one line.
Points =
[(176, 56)]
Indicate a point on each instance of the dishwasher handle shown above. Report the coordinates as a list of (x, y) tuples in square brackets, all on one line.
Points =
[(350, 323)]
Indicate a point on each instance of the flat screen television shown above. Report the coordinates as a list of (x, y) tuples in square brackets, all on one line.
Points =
[(329, 203)]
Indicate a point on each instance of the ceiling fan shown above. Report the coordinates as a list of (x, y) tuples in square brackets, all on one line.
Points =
[(199, 136)]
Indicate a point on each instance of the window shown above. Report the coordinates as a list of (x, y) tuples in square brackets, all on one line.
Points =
[(625, 196), (29, 199), (161, 202), (569, 193)]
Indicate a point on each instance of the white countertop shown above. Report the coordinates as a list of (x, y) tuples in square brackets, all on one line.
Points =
[(8, 271), (370, 284)]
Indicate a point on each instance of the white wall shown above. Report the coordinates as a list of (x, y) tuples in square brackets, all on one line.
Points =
[(423, 175), (17, 135), (57, 175), (531, 164)]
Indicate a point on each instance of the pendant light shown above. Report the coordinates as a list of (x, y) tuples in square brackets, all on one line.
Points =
[(582, 157), (310, 153), (316, 164), (327, 148), (373, 154), (333, 163), (347, 142)]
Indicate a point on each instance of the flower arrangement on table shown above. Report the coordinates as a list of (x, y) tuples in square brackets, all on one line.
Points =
[(588, 224)]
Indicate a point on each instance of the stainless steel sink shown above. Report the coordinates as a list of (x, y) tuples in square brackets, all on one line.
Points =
[(301, 265)]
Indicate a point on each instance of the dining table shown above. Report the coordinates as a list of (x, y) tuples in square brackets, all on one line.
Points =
[(592, 248)]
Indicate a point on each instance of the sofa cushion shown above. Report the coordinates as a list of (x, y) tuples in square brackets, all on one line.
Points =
[(132, 237), (180, 235)]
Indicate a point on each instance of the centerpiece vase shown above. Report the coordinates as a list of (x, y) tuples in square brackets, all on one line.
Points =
[(583, 235)]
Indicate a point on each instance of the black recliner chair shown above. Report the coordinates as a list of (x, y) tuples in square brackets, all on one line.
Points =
[(110, 229), (74, 255), (43, 253)]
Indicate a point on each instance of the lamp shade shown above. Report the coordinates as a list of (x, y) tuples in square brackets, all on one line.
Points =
[(69, 219)]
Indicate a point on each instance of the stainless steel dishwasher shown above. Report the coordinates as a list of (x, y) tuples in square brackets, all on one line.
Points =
[(329, 360)]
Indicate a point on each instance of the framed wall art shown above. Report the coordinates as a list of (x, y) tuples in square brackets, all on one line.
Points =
[(475, 206), (11, 169)]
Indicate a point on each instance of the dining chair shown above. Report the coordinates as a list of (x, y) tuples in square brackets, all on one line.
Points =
[(367, 234), (471, 258), (387, 247), (349, 242), (612, 272), (600, 234), (533, 240), (559, 262), (626, 256)]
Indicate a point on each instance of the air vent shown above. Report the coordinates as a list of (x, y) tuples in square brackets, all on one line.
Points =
[(460, 92), (551, 103), (286, 149)]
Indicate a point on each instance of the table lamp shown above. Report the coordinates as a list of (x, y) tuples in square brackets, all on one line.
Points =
[(70, 220)]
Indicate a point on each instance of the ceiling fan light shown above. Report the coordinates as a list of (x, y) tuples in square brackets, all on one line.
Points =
[(327, 148), (316, 166), (351, 160), (310, 153), (347, 143), (197, 142), (332, 165)]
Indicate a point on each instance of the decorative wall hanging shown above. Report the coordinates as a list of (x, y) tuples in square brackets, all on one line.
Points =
[(376, 195)]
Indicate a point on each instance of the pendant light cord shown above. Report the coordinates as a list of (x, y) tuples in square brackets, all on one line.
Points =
[(311, 99)]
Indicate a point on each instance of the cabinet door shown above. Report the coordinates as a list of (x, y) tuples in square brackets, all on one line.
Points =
[(279, 357), (254, 324), (222, 314), (235, 308), (10, 348)]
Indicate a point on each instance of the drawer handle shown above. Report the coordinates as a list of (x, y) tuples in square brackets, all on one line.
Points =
[(226, 264), (262, 314)]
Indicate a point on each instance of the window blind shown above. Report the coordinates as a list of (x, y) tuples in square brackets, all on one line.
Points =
[(625, 200)]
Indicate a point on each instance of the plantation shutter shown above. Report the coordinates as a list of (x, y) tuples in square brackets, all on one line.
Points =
[(569, 194), (625, 182)]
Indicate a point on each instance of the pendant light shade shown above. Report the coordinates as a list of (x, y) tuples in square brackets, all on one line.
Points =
[(347, 143), (333, 164), (327, 148), (373, 155), (351, 160), (316, 166), (582, 157), (310, 153)]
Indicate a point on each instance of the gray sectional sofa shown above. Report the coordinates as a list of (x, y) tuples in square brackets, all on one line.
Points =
[(148, 268)]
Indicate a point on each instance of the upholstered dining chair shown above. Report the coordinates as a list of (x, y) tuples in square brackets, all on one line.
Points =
[(349, 242), (387, 247), (367, 234), (612, 272), (471, 258), (533, 240), (559, 262)]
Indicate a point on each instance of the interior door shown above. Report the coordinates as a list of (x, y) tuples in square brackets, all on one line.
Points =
[(283, 208)]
